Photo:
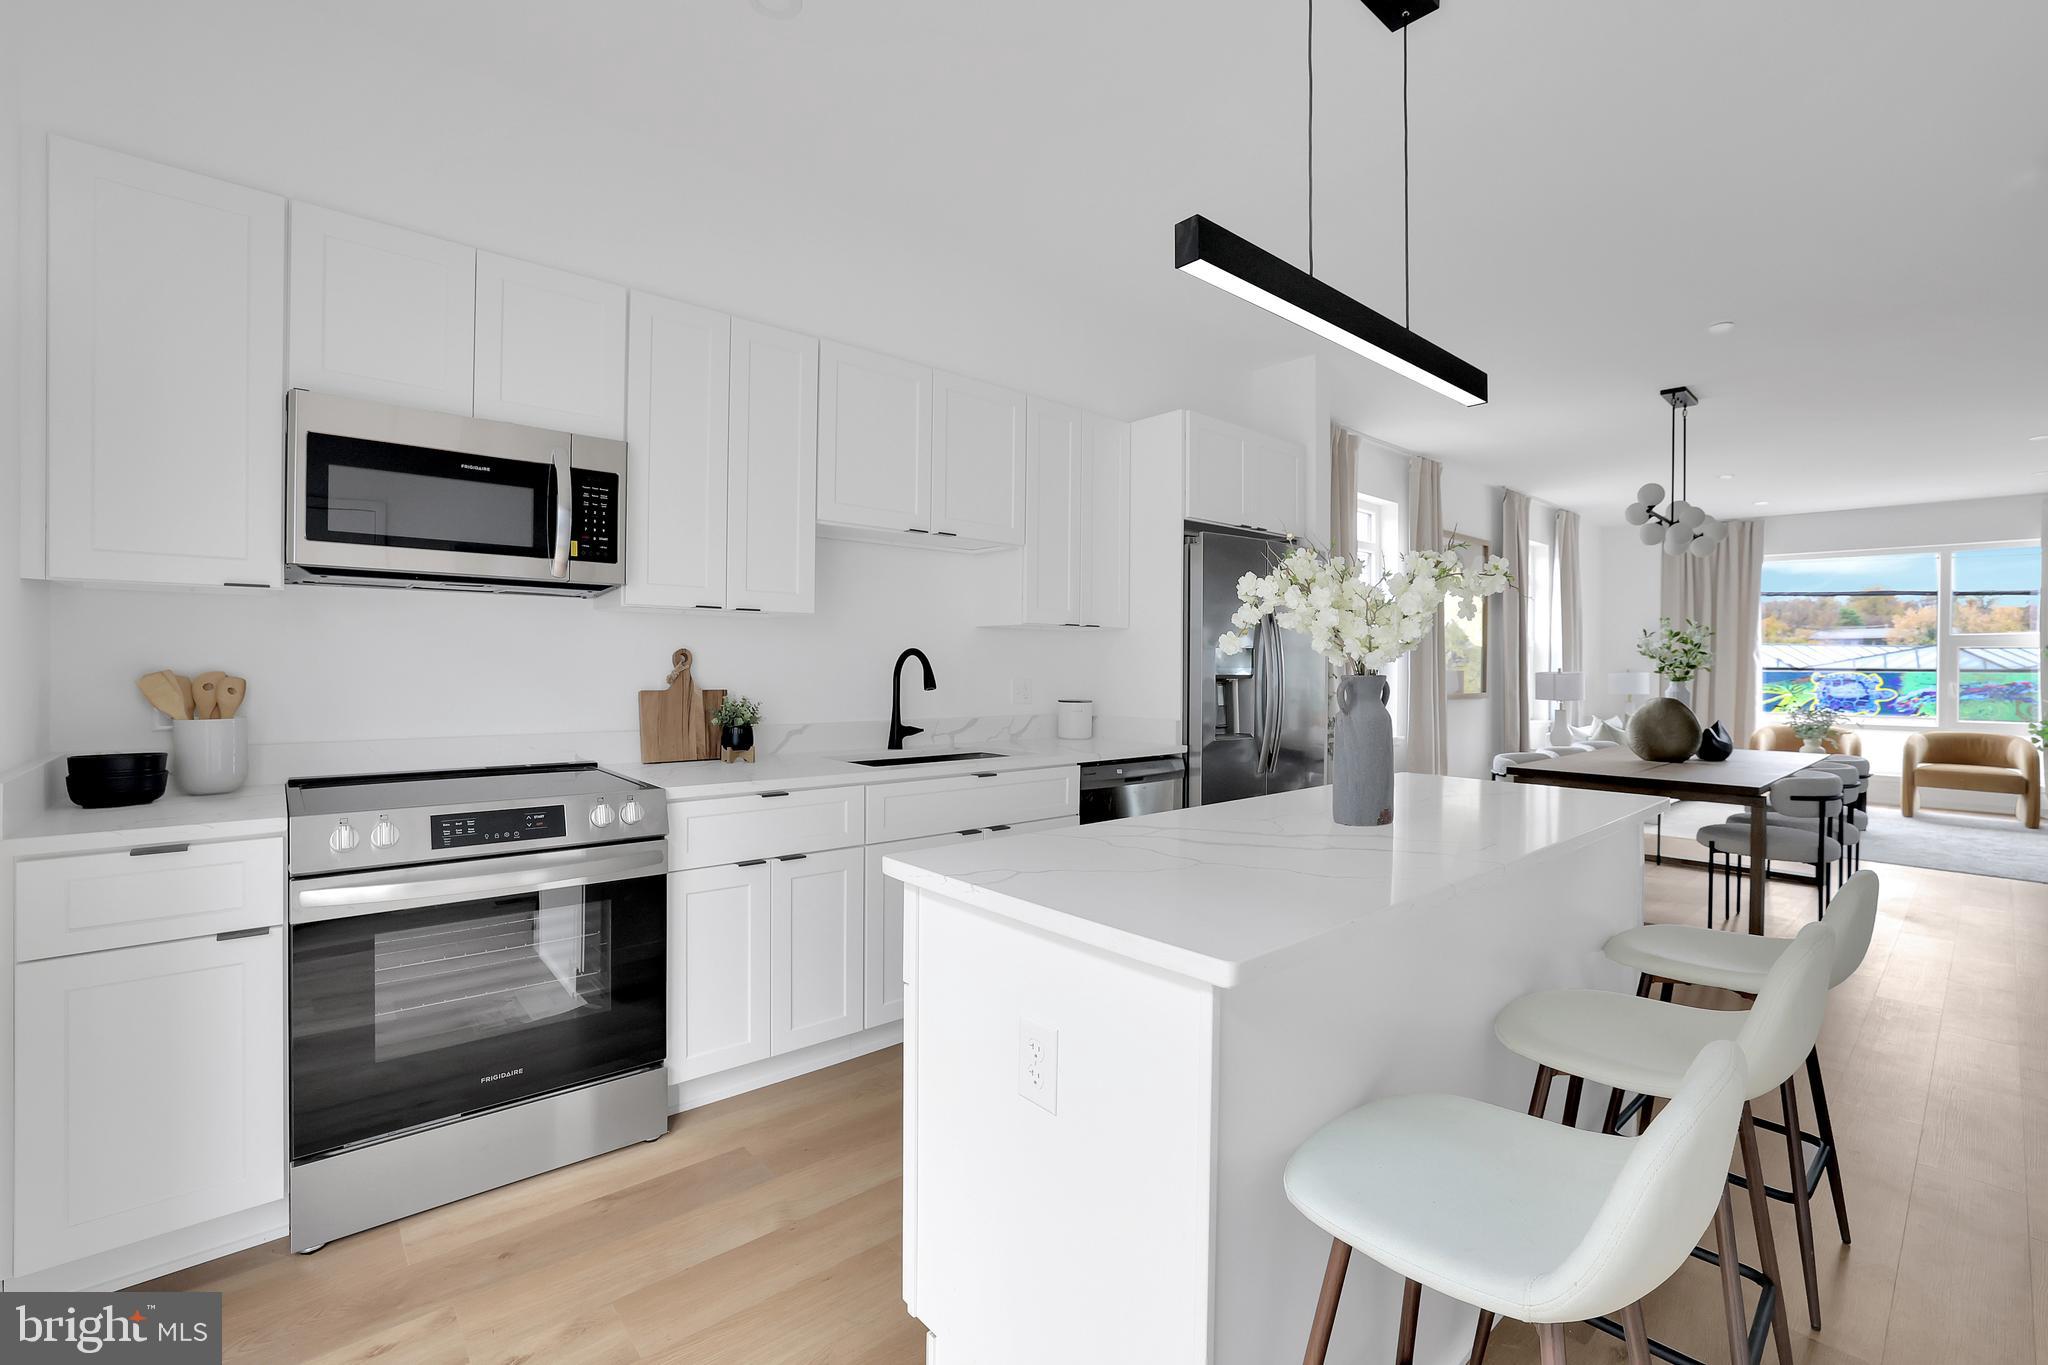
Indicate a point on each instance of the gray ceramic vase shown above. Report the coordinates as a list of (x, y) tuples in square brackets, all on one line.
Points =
[(1665, 731), (1362, 764)]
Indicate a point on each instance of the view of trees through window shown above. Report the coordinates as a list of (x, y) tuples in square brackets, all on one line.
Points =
[(1864, 634)]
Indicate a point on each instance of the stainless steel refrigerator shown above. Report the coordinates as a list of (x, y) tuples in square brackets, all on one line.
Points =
[(1257, 722)]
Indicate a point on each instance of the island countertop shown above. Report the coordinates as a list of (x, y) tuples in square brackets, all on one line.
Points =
[(1219, 892)]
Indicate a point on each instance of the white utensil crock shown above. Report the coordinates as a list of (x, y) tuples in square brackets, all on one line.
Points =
[(1076, 719), (208, 756)]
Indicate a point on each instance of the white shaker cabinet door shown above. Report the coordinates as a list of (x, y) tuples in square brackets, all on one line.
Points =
[(149, 1088), (1215, 471), (978, 460), (772, 503), (874, 440), (719, 931), (820, 947), (166, 356), (550, 348), (676, 455), (1106, 523), (1053, 543), (1275, 485), (382, 313)]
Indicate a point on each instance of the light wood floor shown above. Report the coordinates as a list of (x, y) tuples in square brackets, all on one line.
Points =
[(765, 1229)]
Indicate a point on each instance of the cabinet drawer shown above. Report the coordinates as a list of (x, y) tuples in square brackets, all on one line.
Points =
[(116, 900), (911, 810), (733, 829)]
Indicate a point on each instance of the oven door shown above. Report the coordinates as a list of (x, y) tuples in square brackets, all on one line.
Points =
[(378, 490), (419, 995)]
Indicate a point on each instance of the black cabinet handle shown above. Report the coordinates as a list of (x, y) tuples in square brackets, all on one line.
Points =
[(766, 795), (752, 862), (243, 933), (159, 848), (997, 829), (792, 857), (987, 774), (968, 833), (746, 609), (945, 533)]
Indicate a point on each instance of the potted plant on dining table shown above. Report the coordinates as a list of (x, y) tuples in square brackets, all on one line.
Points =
[(1360, 625)]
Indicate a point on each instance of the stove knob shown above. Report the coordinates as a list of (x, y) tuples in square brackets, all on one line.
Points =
[(344, 838), (630, 813), (601, 815), (385, 835)]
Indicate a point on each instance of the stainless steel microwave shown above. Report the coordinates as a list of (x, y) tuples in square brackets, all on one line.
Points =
[(400, 497)]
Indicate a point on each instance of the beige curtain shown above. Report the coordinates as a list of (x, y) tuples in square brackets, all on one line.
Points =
[(1343, 492), (1571, 641), (1514, 621), (1428, 750), (1724, 590)]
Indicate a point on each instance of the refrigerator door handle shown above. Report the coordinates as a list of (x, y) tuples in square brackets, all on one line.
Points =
[(1266, 694)]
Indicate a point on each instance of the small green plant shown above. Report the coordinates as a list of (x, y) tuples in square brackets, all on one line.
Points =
[(737, 711), (2037, 730), (1813, 722), (1679, 652)]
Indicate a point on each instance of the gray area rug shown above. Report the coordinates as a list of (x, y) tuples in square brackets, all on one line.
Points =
[(1947, 841)]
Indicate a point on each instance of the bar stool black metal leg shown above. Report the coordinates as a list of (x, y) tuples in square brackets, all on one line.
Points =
[(1827, 1135)]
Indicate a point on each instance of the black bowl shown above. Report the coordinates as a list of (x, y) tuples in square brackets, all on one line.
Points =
[(97, 793), (92, 766)]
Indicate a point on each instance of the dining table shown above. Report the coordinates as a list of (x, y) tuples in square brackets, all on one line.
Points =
[(1744, 778)]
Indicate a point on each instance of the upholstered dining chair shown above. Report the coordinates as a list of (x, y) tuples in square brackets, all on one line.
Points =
[(1961, 760), (1781, 738)]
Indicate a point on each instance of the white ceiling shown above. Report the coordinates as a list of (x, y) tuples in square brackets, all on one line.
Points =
[(1862, 185)]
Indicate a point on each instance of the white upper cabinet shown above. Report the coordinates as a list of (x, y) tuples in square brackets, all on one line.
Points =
[(1053, 547), (676, 469), (1106, 523), (382, 313), (978, 460), (166, 362), (550, 348), (874, 440), (1242, 478), (771, 554)]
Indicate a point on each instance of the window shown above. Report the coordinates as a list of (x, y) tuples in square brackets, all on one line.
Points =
[(1931, 637), (1540, 626), (1378, 547)]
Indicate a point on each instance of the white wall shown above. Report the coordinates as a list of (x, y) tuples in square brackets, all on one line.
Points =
[(23, 616)]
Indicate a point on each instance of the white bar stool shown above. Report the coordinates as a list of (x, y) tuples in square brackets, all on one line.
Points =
[(1522, 1219), (1631, 1043), (1667, 953)]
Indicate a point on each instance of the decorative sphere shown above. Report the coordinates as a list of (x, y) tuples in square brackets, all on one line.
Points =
[(1690, 516), (1715, 531), (1650, 494), (1676, 540), (1651, 533), (1636, 514), (1700, 548), (1665, 731)]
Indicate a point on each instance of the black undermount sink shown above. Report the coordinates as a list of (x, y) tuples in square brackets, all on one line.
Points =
[(936, 756)]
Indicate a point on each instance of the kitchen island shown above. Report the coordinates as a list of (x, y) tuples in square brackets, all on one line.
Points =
[(1116, 1035)]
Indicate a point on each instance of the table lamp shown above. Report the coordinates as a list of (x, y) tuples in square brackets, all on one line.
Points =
[(1555, 687)]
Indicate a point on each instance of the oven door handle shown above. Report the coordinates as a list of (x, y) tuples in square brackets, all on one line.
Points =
[(373, 893)]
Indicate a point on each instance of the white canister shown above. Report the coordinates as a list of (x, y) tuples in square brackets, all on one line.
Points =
[(208, 756), (1076, 719)]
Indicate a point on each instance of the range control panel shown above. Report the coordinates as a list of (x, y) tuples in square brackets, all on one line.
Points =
[(596, 495), (499, 826)]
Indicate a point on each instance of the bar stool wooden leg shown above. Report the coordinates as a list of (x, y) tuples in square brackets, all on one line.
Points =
[(1608, 1124), (1730, 1252), (1411, 1306), (1635, 1334), (1326, 1303), (1539, 1098), (1572, 1092), (1482, 1335), (1827, 1135), (1766, 1240), (1802, 1206), (1550, 1340)]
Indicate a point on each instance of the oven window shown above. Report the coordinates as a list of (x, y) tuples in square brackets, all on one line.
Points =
[(379, 493), (532, 960)]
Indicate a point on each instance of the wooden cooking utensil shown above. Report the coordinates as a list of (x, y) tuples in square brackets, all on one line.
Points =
[(206, 695), (231, 692), (161, 690), (184, 690)]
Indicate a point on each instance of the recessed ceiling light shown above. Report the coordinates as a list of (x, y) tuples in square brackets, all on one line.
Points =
[(1727, 476), (1720, 328), (1763, 502), (2042, 437)]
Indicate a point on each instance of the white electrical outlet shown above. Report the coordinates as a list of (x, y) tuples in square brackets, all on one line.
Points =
[(1020, 691), (1038, 1065)]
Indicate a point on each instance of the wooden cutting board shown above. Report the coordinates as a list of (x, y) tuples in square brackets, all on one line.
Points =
[(675, 722)]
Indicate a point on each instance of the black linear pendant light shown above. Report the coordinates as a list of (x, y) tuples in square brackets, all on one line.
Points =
[(1228, 261)]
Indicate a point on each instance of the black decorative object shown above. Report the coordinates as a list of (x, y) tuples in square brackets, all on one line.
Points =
[(99, 781), (1716, 743)]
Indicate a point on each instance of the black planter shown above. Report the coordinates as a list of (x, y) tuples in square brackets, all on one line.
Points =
[(738, 738), (1716, 743)]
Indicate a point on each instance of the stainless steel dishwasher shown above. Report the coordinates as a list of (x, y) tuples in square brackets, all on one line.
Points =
[(1142, 786)]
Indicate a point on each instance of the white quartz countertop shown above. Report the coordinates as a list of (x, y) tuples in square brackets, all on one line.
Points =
[(258, 811), (1215, 891)]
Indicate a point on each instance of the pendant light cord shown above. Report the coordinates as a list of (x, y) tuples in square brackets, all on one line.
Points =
[(1311, 137), (1407, 288), (1672, 506), (1685, 441)]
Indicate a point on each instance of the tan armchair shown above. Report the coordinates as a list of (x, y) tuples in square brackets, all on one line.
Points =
[(1957, 760), (1781, 738)]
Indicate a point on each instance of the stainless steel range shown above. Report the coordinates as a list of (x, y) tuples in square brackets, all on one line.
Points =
[(478, 968)]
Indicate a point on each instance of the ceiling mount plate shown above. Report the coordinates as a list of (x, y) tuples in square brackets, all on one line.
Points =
[(1398, 14), (1680, 397)]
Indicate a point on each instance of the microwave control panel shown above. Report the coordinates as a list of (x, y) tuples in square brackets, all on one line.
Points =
[(480, 827), (595, 529)]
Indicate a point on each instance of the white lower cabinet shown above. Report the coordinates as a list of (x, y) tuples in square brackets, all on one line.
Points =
[(719, 930), (149, 1092), (819, 947)]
